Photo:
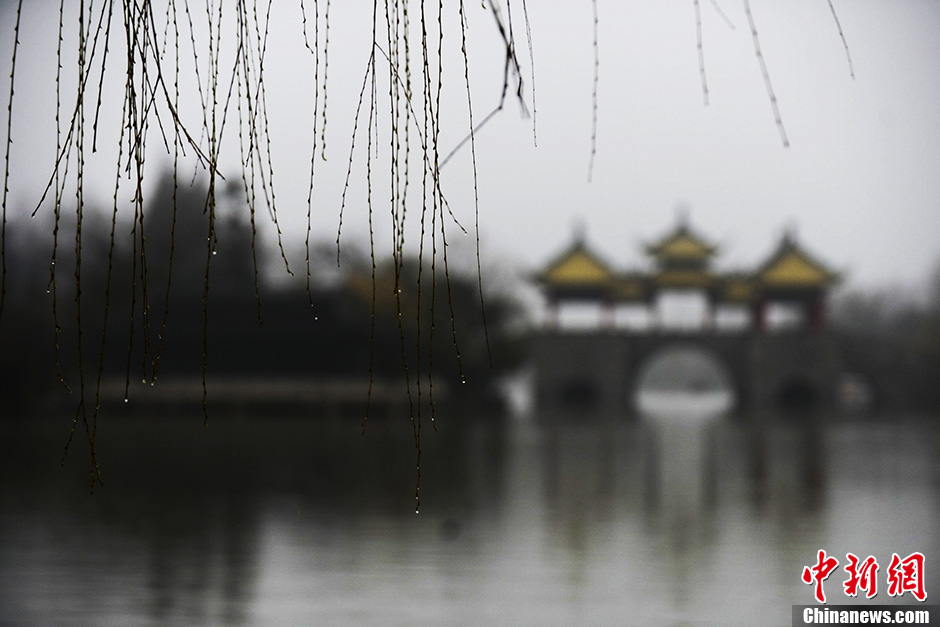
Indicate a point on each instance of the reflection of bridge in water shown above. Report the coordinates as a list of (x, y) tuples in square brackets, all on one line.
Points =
[(765, 329)]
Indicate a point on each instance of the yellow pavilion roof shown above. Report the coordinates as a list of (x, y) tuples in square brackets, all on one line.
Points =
[(737, 287), (577, 266), (791, 266), (682, 243), (629, 287), (682, 263)]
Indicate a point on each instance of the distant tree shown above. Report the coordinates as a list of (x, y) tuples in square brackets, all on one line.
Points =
[(933, 287), (896, 338)]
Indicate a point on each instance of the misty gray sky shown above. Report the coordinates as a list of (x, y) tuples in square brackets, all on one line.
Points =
[(860, 181)]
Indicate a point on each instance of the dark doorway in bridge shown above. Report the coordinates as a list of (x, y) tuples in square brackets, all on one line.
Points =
[(797, 395), (683, 380), (579, 395)]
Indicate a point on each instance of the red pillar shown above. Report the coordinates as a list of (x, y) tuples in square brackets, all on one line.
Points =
[(551, 317), (760, 315), (818, 313)]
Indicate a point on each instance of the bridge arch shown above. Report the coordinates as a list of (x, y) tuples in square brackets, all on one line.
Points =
[(690, 369)]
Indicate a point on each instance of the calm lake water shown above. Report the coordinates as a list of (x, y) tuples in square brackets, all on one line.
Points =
[(274, 521)]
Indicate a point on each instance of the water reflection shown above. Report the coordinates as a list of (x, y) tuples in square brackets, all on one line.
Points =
[(276, 521)]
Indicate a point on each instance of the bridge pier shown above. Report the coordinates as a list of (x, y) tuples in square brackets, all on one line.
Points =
[(794, 371)]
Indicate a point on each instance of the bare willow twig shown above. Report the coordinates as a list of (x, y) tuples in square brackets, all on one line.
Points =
[(763, 68)]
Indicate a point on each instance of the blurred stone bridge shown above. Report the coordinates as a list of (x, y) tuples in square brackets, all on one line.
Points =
[(764, 328), (595, 374)]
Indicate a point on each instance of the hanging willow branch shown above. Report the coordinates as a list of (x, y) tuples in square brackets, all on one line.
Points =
[(224, 67), (6, 168), (766, 74), (845, 43), (226, 62)]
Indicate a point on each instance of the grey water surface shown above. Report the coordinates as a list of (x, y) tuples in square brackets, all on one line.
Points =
[(265, 520)]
